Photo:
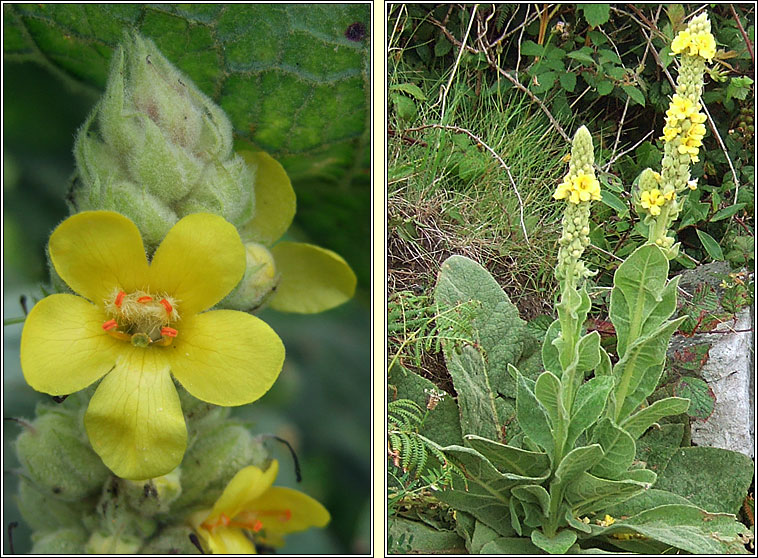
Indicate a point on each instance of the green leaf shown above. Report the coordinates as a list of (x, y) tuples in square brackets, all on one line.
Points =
[(549, 351), (534, 494), (576, 462), (313, 279), (646, 500), (634, 94), (688, 528), (508, 459), (530, 48), (588, 406), (411, 89), (641, 299), (501, 336), (443, 425), (710, 245), (607, 55), (589, 494), (615, 203), (639, 370), (406, 109), (699, 393), (510, 546), (604, 87), (568, 81), (582, 55), (714, 479), (657, 445), (638, 423), (595, 14), (274, 200), (422, 538), (727, 212), (618, 450), (532, 417), (547, 390), (488, 490), (588, 352), (442, 46), (558, 544)]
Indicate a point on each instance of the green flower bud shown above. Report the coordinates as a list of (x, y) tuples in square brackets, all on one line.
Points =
[(57, 458), (68, 540), (45, 513), (153, 496), (172, 540), (210, 463), (259, 281), (103, 543), (155, 148)]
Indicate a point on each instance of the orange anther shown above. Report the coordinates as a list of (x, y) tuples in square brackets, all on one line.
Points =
[(224, 520), (169, 332), (167, 305), (119, 299), (257, 526), (144, 299), (286, 516), (110, 324)]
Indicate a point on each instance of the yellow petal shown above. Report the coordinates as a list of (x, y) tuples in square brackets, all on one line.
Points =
[(304, 511), (226, 357), (96, 252), (313, 279), (199, 262), (134, 421), (246, 486), (274, 200), (63, 345), (225, 540)]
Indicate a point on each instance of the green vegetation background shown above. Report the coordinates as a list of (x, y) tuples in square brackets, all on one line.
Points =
[(264, 65)]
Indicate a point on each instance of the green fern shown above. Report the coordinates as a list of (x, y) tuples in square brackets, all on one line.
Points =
[(415, 327), (410, 451)]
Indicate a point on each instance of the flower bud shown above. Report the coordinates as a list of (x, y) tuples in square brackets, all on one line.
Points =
[(45, 513), (68, 540), (153, 496), (209, 464), (258, 283), (102, 543), (155, 148), (172, 540), (57, 458)]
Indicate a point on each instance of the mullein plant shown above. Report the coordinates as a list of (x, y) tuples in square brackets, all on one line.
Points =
[(150, 335), (658, 196)]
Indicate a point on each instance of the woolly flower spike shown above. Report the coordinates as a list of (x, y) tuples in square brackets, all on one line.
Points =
[(137, 324), (251, 507), (696, 40), (580, 188)]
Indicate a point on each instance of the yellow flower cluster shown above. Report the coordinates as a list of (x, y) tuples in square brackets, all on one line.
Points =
[(695, 44), (685, 121), (580, 188)]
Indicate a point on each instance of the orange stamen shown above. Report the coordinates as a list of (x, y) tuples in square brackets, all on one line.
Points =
[(257, 526), (167, 305), (109, 325), (119, 299), (169, 332), (120, 335), (144, 299)]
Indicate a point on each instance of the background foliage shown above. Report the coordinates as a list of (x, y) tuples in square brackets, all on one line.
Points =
[(293, 84)]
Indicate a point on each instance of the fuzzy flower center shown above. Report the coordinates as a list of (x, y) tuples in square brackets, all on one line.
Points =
[(141, 318)]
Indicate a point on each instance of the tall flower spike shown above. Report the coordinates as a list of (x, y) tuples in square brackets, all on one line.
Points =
[(656, 201), (579, 188)]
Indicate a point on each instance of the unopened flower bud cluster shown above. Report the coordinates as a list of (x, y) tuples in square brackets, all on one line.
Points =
[(155, 148), (579, 188), (657, 198)]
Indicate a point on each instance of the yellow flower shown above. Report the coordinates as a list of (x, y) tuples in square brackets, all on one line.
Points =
[(670, 195), (136, 324), (587, 187), (692, 184), (652, 200), (563, 190), (607, 521), (681, 42), (697, 117), (680, 108), (706, 46), (669, 133), (249, 504)]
